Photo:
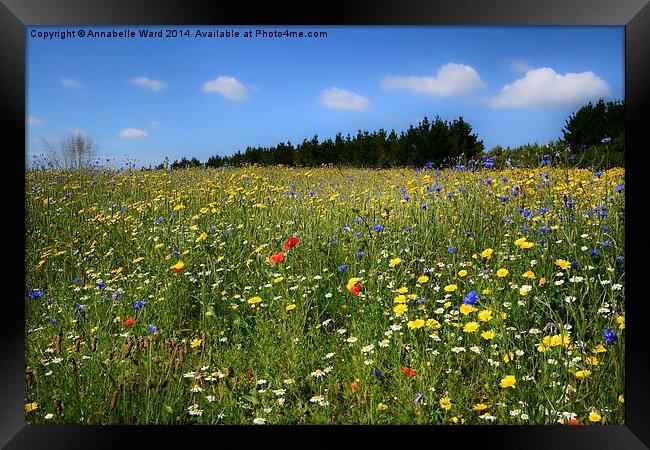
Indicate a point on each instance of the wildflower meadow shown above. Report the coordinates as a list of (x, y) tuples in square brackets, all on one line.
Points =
[(282, 295)]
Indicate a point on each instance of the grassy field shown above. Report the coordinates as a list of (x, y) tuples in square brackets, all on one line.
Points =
[(295, 296)]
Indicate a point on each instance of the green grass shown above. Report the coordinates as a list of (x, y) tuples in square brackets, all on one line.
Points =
[(103, 227)]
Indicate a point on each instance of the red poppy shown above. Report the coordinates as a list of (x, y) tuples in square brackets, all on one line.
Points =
[(291, 243), (354, 290), (354, 385), (129, 322), (409, 372), (573, 422), (277, 258)]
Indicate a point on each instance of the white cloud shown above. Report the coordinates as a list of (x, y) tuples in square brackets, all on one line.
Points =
[(34, 121), (343, 99), (148, 83), (155, 124), (131, 133), (451, 79), (545, 88), (69, 82), (519, 65), (229, 87)]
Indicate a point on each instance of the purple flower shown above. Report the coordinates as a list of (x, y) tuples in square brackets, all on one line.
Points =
[(138, 304), (342, 268), (36, 293), (152, 328), (100, 284), (377, 373), (361, 254), (378, 228), (471, 298), (452, 249), (609, 336), (79, 308)]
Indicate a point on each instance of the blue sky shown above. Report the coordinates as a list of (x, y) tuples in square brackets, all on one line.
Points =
[(147, 98)]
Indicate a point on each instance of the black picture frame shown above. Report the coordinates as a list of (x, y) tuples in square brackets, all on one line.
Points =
[(15, 15)]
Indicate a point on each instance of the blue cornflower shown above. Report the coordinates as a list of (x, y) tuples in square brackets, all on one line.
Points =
[(606, 139), (468, 234), (377, 373), (138, 304), (100, 284), (503, 199), (471, 298), (176, 252), (406, 197), (79, 308), (409, 228), (450, 195), (377, 228), (595, 252), (420, 300), (357, 234), (452, 249), (346, 229), (361, 254), (619, 188), (342, 268), (52, 321), (152, 328), (609, 336), (159, 220), (77, 280), (423, 206), (36, 293), (606, 244), (574, 264)]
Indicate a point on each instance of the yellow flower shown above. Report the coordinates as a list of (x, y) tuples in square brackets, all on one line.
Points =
[(178, 266), (402, 290), (351, 282), (542, 281), (179, 207), (117, 319), (400, 299), (479, 407), (254, 300), (465, 309), (507, 357), (278, 279), (487, 253), (445, 403), (450, 288), (433, 323), (502, 272), (562, 263), (290, 307), (423, 279), (599, 349), (526, 245), (509, 381), (415, 324), (486, 291), (582, 374), (485, 315), (393, 262), (591, 360), (400, 309), (530, 275), (620, 321), (487, 335), (196, 343), (201, 237), (29, 407), (594, 417), (520, 241), (382, 407), (138, 259), (470, 327), (462, 273), (621, 399)]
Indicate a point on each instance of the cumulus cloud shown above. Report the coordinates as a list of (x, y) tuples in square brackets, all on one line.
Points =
[(70, 83), (131, 133), (34, 121), (229, 87), (148, 83), (548, 89), (451, 79), (338, 98)]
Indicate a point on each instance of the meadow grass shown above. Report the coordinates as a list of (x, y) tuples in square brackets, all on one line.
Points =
[(151, 297)]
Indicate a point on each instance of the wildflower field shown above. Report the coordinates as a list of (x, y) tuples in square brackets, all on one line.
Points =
[(325, 296)]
